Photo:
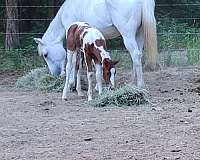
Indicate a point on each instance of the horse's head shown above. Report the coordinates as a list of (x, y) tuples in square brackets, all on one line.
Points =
[(109, 72), (54, 54)]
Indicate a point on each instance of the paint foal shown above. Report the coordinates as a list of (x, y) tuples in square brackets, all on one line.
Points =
[(81, 36)]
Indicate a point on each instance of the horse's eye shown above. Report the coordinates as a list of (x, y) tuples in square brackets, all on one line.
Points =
[(45, 55)]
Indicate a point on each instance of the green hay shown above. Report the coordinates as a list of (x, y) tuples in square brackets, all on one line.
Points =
[(125, 96), (39, 79)]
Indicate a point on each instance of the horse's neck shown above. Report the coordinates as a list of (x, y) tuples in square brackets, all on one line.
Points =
[(56, 28)]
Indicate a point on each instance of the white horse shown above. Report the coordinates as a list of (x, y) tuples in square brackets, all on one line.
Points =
[(134, 20)]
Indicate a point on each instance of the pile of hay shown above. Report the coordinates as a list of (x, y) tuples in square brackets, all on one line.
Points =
[(40, 79), (125, 96)]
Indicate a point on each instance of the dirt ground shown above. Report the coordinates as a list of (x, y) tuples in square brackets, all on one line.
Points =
[(35, 125)]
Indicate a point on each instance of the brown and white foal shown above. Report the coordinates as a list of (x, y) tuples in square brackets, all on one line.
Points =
[(91, 41)]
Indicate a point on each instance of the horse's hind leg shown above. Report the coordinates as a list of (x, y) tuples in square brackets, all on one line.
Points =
[(129, 36), (136, 56), (140, 39), (128, 29), (140, 42)]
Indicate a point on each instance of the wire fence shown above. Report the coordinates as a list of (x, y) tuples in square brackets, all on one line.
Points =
[(175, 51)]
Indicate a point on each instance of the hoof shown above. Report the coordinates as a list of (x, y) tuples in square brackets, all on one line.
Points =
[(64, 98)]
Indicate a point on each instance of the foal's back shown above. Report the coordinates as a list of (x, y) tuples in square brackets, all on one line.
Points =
[(94, 45)]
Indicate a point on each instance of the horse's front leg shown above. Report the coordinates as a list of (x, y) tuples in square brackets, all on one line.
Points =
[(68, 72), (99, 77)]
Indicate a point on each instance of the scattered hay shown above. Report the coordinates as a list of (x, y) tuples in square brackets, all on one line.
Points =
[(40, 79), (124, 96)]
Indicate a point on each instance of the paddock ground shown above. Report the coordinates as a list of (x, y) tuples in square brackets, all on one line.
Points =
[(39, 126)]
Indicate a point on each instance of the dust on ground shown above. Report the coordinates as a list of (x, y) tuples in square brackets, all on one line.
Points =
[(36, 125)]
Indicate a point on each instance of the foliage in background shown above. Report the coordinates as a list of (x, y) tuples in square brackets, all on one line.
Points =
[(25, 58), (180, 37), (124, 58), (170, 19)]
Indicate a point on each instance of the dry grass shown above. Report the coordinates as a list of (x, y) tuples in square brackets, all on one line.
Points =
[(39, 79), (125, 96)]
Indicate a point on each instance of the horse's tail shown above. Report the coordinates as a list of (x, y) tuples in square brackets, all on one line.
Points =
[(150, 33)]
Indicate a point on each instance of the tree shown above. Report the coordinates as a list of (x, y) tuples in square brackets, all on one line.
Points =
[(12, 25)]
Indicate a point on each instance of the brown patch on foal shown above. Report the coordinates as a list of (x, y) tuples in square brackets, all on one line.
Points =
[(74, 36), (92, 53), (71, 44), (107, 66)]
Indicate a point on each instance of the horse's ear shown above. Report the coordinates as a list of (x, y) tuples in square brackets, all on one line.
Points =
[(115, 62), (39, 41)]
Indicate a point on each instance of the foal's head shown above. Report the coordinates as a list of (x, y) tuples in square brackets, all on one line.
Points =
[(109, 72)]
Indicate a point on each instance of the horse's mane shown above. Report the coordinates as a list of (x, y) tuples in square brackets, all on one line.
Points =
[(56, 28)]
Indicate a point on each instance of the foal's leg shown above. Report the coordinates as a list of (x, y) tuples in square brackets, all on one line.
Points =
[(99, 77), (73, 71), (78, 84), (88, 62), (68, 72)]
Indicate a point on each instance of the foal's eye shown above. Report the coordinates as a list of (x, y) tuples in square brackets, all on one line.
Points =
[(45, 55)]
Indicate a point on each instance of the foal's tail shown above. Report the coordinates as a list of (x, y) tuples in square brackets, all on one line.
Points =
[(150, 33)]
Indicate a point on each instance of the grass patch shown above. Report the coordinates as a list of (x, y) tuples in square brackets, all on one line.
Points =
[(125, 96), (40, 80)]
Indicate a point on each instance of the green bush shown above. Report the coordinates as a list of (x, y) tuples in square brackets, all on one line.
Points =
[(176, 36), (25, 58)]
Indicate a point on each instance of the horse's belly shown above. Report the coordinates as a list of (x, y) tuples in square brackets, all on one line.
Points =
[(93, 12), (100, 18)]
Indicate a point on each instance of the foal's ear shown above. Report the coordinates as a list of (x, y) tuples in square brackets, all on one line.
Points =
[(39, 41), (106, 62), (115, 62)]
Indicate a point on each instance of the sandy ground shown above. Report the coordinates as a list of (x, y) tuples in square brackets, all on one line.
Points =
[(39, 126)]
